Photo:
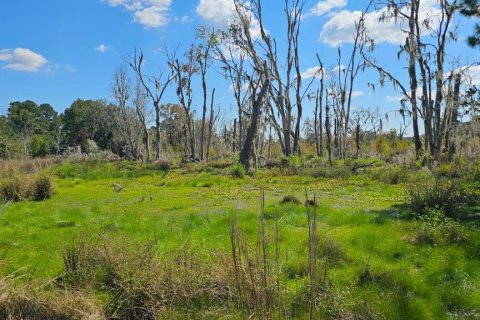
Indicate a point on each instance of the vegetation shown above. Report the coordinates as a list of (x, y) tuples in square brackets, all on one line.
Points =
[(191, 240), (142, 208)]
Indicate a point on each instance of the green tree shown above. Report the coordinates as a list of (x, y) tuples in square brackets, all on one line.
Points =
[(85, 120), (471, 8), (30, 120)]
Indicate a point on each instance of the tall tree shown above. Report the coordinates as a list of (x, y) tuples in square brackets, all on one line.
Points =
[(155, 87), (184, 72), (471, 8)]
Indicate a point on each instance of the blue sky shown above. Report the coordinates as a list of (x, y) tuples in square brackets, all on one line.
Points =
[(54, 51)]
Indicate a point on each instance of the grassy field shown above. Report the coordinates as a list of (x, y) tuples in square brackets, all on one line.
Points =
[(370, 262)]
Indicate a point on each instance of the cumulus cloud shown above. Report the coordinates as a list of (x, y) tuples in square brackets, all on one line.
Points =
[(340, 28), (102, 48), (222, 13), (219, 12), (358, 93), (324, 7), (21, 59), (312, 72), (183, 19), (149, 13)]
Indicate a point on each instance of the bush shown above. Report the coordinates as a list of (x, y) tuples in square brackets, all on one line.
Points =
[(163, 165), (290, 199), (15, 189), (392, 175), (43, 188), (333, 172), (436, 229), (237, 171), (440, 195), (27, 187)]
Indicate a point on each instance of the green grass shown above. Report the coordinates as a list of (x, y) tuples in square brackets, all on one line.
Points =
[(373, 269)]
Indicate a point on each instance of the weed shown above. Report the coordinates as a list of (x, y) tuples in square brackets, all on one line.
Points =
[(237, 171), (43, 188), (442, 195), (290, 199)]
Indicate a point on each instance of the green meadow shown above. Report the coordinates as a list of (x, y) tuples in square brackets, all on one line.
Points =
[(370, 259)]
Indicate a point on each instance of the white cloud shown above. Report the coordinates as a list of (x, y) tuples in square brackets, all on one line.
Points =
[(312, 72), (222, 13), (150, 13), (358, 93), (324, 7), (184, 19), (151, 17), (219, 12), (394, 98), (340, 28), (21, 59), (338, 68), (102, 48)]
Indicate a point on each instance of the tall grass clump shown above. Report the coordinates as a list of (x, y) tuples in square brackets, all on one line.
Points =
[(442, 195), (139, 283), (435, 229), (43, 188), (15, 189), (237, 171), (41, 301), (27, 187)]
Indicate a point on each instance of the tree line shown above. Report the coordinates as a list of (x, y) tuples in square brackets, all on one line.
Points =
[(269, 93)]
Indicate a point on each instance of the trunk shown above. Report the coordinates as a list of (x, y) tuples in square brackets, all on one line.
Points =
[(211, 124), (234, 146), (328, 129), (315, 126), (447, 13), (246, 153), (452, 118), (413, 78), (146, 141), (240, 127), (204, 117), (426, 106), (192, 138), (357, 140), (437, 107), (298, 98), (157, 132)]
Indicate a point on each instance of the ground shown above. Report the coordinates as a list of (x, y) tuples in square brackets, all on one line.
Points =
[(374, 268)]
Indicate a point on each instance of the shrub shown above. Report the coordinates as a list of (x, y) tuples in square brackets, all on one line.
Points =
[(393, 175), (163, 165), (237, 171), (290, 199), (27, 187), (15, 189), (441, 195), (436, 229), (43, 188), (284, 161)]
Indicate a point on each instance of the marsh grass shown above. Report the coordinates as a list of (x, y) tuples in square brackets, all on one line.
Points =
[(162, 248)]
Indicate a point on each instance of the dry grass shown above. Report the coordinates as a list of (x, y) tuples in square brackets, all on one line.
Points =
[(44, 301), (22, 180), (10, 168)]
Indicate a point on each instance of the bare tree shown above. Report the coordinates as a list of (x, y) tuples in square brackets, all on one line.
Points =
[(121, 91), (155, 87), (142, 114), (203, 58), (184, 72)]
